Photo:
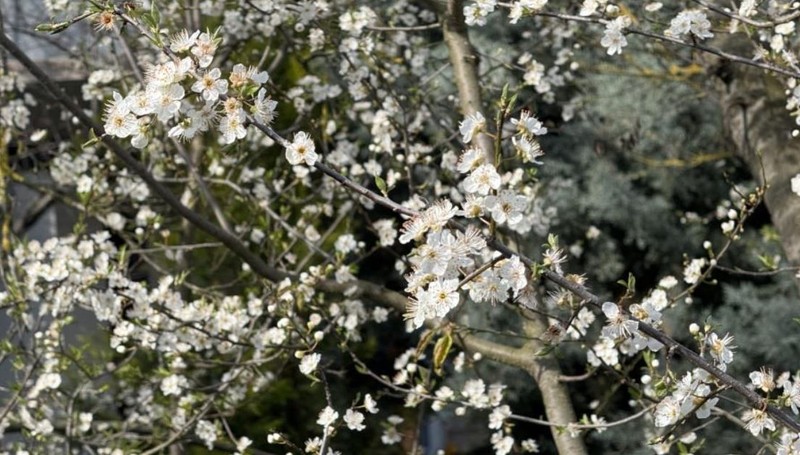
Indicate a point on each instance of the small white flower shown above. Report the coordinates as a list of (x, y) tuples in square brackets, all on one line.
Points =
[(472, 125), (498, 416), (232, 128), (796, 184), (173, 384), (182, 41), (309, 363), (528, 125), (531, 446), (301, 150), (613, 40), (210, 85), (667, 412), (354, 420), (619, 325), (85, 421), (693, 271), (757, 420), (264, 107), (720, 349), (327, 417), (482, 180), (204, 48), (370, 404), (207, 432), (692, 21)]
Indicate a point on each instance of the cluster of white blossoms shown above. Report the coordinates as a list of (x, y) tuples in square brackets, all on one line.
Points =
[(524, 7), (694, 270), (613, 37), (692, 21), (188, 97), (692, 394), (56, 277), (443, 255), (14, 103), (476, 13), (621, 334), (483, 182)]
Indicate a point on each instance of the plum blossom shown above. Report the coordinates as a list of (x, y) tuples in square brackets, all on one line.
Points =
[(528, 125), (619, 325), (309, 363), (183, 41), (354, 420), (204, 48), (522, 7), (796, 184), (507, 207), (757, 420), (173, 384), (207, 433), (120, 121), (498, 416), (301, 150), (470, 126), (327, 417), (501, 444), (613, 37), (693, 271), (720, 349), (692, 21), (482, 180), (210, 85), (668, 411)]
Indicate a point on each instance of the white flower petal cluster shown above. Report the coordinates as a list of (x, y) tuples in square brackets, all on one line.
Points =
[(207, 432), (523, 7), (604, 352), (431, 219), (691, 21), (301, 150), (795, 184), (613, 37), (390, 434), (174, 384), (691, 393), (498, 416), (309, 363), (163, 98), (694, 270), (757, 420), (476, 13), (528, 125), (720, 349), (470, 126), (354, 420), (619, 325), (502, 443), (327, 417), (508, 207), (482, 180)]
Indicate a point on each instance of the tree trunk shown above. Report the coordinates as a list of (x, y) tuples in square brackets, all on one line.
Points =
[(544, 369), (760, 127)]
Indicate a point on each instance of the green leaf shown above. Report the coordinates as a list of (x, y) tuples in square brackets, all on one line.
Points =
[(382, 185), (93, 139), (440, 352), (424, 341), (52, 28)]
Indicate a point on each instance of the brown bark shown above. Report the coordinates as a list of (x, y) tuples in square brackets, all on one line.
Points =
[(555, 394), (760, 127), (464, 60)]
